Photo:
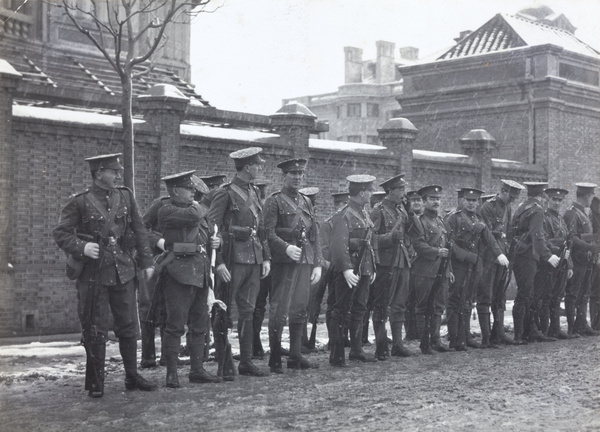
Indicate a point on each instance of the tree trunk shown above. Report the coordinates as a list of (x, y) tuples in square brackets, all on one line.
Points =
[(128, 133)]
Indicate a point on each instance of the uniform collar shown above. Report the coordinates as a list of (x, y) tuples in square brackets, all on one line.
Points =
[(289, 192), (578, 206), (97, 190), (238, 181), (552, 211), (430, 213), (356, 206)]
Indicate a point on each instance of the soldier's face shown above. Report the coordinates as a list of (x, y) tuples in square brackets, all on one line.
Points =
[(293, 179), (433, 202), (254, 170), (471, 204), (108, 178), (555, 203), (416, 204), (183, 195)]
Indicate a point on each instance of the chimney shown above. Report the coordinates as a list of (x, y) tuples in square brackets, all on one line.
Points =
[(353, 65), (409, 53), (385, 62)]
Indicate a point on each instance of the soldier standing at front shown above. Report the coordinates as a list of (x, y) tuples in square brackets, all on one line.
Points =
[(469, 235), (296, 254), (528, 248), (245, 257), (353, 261), (430, 240), (491, 293), (585, 256), (102, 229), (390, 290), (185, 282)]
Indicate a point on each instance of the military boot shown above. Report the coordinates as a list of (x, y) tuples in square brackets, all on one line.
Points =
[(436, 341), (94, 370), (170, 353), (519, 319), (365, 329), (312, 340), (258, 351), (198, 374), (148, 346), (466, 322), (456, 340), (295, 359), (398, 348), (581, 324), (595, 312), (423, 331), (275, 363), (570, 313), (382, 351), (133, 380), (502, 338), (246, 367), (544, 317), (484, 324), (356, 351), (337, 354), (554, 329)]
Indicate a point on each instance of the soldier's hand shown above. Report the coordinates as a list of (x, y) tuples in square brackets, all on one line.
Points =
[(148, 273), (373, 277), (92, 250), (215, 242), (554, 260), (478, 227), (224, 273), (443, 252), (451, 277), (567, 254), (161, 244), (315, 276), (502, 260), (294, 252), (351, 278), (211, 300), (265, 269), (569, 273)]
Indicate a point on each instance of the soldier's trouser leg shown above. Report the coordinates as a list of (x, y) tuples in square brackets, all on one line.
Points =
[(595, 299), (484, 323), (338, 304), (170, 350), (423, 329), (436, 342), (148, 345), (258, 317), (398, 348), (583, 295), (197, 373), (379, 297), (358, 308), (525, 270)]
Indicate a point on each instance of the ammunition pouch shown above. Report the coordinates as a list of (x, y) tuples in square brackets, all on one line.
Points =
[(241, 233)]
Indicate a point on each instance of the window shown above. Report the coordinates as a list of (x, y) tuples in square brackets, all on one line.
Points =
[(372, 110), (354, 110), (373, 139), (354, 138)]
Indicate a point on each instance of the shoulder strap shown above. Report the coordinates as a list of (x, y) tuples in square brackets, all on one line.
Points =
[(109, 217)]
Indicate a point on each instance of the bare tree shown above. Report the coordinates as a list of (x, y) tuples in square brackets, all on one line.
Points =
[(128, 33)]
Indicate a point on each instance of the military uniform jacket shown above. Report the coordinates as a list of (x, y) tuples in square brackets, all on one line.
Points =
[(428, 237), (469, 236), (237, 212), (150, 219), (287, 214), (556, 232), (119, 247), (391, 225), (185, 223), (580, 227), (349, 229), (528, 231), (497, 216)]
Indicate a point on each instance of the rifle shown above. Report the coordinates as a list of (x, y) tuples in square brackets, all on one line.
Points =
[(435, 288), (361, 252)]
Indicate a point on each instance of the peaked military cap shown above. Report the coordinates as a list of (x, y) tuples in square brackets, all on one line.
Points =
[(309, 191), (535, 188), (377, 196), (487, 197), (186, 179), (471, 193), (460, 192), (215, 180), (556, 193), (413, 194), (247, 156), (340, 197), (430, 190), (586, 188), (514, 188), (361, 181), (110, 161), (394, 182), (293, 165)]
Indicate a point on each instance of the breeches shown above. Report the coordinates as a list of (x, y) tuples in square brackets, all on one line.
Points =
[(422, 286), (185, 304), (289, 293), (348, 302)]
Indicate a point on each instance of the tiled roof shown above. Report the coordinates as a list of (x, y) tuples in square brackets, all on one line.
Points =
[(80, 79), (504, 32)]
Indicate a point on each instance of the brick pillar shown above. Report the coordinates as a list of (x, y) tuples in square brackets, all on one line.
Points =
[(478, 144), (294, 123), (9, 79), (163, 107), (398, 136)]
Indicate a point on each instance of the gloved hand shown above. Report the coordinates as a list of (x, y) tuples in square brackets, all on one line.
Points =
[(553, 261), (92, 250), (315, 276), (502, 260), (223, 273), (351, 278), (294, 252)]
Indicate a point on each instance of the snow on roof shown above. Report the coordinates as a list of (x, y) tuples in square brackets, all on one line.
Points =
[(427, 154), (343, 146), (226, 133), (68, 116), (507, 161)]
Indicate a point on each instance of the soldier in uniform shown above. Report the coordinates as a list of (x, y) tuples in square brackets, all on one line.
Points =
[(390, 290), (585, 255), (102, 229), (528, 249), (595, 292), (245, 257), (353, 261), (430, 240), (469, 235), (296, 254), (550, 282), (213, 183), (415, 208), (185, 281), (491, 293)]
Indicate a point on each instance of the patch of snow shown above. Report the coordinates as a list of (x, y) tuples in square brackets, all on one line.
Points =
[(225, 133), (69, 116)]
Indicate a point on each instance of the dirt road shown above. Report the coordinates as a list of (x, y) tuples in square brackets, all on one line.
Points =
[(538, 387)]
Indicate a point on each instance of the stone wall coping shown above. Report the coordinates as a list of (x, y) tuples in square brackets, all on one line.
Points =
[(225, 133), (343, 146), (69, 116)]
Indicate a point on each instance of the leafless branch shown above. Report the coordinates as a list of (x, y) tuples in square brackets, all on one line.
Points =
[(143, 72)]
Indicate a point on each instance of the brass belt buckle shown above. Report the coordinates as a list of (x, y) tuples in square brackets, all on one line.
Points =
[(112, 241)]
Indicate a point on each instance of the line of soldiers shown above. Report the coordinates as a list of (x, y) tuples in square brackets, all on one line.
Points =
[(400, 259)]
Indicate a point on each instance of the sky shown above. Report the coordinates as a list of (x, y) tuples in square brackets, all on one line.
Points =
[(248, 55)]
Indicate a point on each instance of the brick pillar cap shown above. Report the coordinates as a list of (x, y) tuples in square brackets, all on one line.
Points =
[(295, 108), (478, 135), (399, 123), (7, 69), (163, 91)]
